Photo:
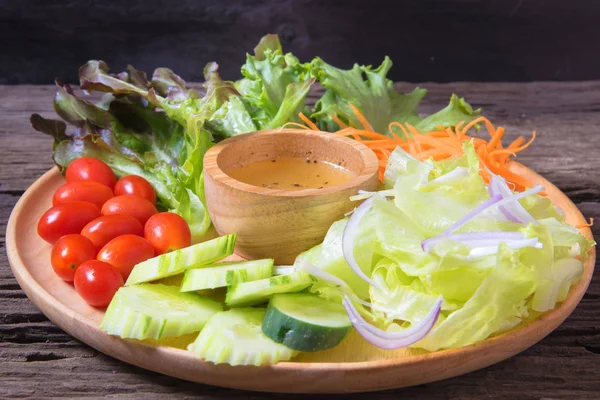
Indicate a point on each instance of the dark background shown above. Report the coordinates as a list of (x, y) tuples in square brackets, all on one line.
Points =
[(428, 40)]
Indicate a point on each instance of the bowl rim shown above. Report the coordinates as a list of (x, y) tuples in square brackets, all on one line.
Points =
[(211, 166)]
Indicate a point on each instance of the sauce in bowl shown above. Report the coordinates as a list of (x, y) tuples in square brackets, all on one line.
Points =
[(291, 173)]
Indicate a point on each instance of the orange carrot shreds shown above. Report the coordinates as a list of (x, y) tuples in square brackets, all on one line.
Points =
[(337, 120), (412, 148), (526, 145), (585, 225), (440, 143), (308, 122), (361, 118), (450, 133), (436, 154), (519, 141), (437, 143), (503, 151), (496, 139), (399, 125), (472, 124)]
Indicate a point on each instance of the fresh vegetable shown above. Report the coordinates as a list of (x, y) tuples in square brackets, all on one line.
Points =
[(155, 311), (305, 322), (107, 227), (256, 292), (134, 206), (137, 186), (68, 253), (92, 192), (90, 169), (97, 282), (365, 94), (226, 274), (66, 218), (441, 142), (126, 251), (178, 261), (453, 249), (451, 260), (167, 232), (159, 129), (235, 337)]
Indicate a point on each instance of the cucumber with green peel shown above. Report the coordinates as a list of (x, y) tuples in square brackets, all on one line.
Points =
[(235, 337), (156, 311), (226, 274), (256, 292), (305, 322), (178, 261)]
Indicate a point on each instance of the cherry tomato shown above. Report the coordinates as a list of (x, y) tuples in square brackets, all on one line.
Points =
[(137, 186), (107, 227), (127, 204), (166, 232), (97, 282), (66, 218), (68, 253), (90, 169), (92, 192), (124, 252)]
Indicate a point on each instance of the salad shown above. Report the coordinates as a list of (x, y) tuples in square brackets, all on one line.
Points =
[(453, 249)]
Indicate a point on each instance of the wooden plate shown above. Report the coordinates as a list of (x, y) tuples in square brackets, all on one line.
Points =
[(353, 366)]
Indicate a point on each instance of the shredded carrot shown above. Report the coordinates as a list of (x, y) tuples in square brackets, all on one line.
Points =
[(338, 121), (361, 118), (308, 122), (439, 144), (586, 225)]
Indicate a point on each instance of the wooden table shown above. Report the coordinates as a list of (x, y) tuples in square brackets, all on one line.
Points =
[(40, 360)]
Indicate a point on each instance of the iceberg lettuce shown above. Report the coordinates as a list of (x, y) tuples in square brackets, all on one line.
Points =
[(485, 293)]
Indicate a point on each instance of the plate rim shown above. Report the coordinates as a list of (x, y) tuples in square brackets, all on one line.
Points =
[(49, 304)]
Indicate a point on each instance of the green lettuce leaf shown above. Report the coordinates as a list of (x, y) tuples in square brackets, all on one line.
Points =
[(275, 84), (498, 304), (376, 98), (132, 137)]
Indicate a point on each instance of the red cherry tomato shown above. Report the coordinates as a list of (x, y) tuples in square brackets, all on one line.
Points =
[(66, 218), (134, 206), (137, 186), (97, 282), (68, 253), (90, 169), (167, 231), (124, 252), (92, 192), (107, 227)]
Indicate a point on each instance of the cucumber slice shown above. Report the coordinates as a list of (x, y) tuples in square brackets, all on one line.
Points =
[(156, 311), (177, 261), (235, 337), (226, 274), (305, 322), (256, 292)]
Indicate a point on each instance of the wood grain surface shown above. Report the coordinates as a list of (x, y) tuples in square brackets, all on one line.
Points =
[(39, 360)]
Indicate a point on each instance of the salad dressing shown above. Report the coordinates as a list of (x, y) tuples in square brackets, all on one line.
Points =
[(291, 173)]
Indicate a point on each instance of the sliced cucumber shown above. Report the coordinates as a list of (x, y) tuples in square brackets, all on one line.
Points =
[(305, 322), (156, 311), (226, 274), (235, 337), (177, 261), (256, 292)]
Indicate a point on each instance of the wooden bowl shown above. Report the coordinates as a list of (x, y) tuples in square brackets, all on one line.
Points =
[(276, 223)]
